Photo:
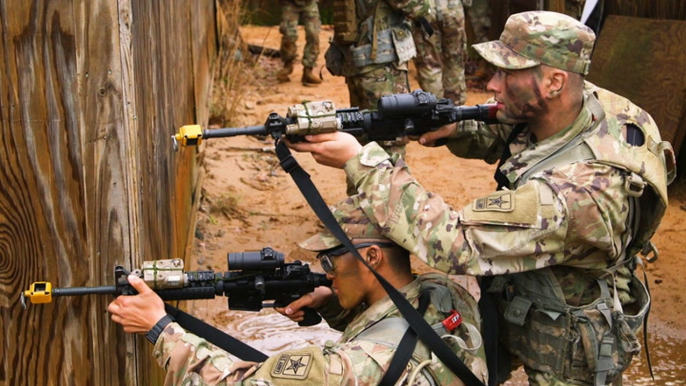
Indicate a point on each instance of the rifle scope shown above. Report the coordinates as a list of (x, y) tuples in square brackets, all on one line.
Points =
[(266, 259), (416, 103)]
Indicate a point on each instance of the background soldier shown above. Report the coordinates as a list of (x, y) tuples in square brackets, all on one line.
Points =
[(582, 188), (440, 59), (371, 47), (363, 352), (293, 11)]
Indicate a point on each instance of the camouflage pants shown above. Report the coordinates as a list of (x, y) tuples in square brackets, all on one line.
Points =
[(365, 91), (440, 57), (293, 13), (480, 18)]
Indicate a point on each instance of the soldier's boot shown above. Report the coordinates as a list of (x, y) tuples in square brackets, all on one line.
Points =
[(282, 75), (309, 78)]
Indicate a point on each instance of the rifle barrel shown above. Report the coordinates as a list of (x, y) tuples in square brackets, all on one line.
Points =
[(235, 131), (479, 112), (78, 291)]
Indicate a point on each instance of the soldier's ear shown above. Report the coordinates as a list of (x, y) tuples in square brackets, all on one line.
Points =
[(557, 80), (374, 256)]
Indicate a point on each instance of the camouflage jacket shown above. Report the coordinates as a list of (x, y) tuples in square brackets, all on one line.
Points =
[(189, 359), (572, 215)]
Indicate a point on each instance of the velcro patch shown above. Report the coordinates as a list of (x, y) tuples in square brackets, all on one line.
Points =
[(292, 366), (502, 201)]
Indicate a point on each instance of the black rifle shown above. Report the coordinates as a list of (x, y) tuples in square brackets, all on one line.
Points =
[(253, 278), (397, 115)]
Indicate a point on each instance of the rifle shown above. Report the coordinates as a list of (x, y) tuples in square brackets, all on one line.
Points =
[(397, 115), (253, 278)]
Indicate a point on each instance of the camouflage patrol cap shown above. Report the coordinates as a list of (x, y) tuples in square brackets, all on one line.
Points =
[(354, 222), (541, 37)]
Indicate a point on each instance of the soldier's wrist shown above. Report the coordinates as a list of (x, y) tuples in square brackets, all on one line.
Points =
[(154, 333)]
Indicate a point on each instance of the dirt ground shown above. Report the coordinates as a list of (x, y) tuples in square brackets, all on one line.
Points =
[(249, 202)]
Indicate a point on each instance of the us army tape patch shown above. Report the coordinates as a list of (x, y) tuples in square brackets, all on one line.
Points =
[(292, 366), (502, 201)]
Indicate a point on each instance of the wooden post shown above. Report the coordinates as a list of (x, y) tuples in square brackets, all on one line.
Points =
[(91, 91)]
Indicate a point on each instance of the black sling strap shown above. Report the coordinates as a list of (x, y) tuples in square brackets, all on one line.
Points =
[(499, 177), (416, 321), (405, 348), (215, 336)]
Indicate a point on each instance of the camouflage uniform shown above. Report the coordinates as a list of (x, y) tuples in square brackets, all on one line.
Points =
[(440, 59), (562, 229), (364, 351), (306, 11)]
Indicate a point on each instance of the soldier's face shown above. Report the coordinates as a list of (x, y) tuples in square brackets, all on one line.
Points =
[(519, 94), (347, 280)]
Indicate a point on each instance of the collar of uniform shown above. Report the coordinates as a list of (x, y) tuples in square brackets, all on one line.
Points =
[(382, 309), (519, 163)]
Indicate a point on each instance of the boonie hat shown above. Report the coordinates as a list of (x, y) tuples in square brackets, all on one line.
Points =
[(354, 223), (541, 37)]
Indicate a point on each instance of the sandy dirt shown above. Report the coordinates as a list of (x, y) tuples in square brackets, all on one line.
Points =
[(248, 202)]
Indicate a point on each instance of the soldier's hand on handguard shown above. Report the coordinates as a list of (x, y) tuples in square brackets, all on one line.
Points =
[(329, 149), (139, 313), (429, 139), (319, 298)]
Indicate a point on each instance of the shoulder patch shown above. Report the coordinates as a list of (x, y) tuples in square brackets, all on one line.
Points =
[(503, 201), (519, 207), (292, 366)]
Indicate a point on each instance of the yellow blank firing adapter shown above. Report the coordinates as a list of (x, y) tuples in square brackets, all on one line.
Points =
[(189, 135), (38, 292)]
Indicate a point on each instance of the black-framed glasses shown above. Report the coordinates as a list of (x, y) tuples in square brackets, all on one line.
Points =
[(326, 257)]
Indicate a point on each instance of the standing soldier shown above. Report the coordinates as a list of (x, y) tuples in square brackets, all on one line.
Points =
[(440, 59), (582, 187), (294, 11)]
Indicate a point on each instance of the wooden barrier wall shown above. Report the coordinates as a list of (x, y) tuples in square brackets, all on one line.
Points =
[(90, 93)]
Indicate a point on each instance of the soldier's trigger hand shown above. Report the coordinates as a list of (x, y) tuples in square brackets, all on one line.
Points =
[(431, 138), (316, 299)]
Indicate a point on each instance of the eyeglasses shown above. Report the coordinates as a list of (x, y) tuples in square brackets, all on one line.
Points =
[(326, 257)]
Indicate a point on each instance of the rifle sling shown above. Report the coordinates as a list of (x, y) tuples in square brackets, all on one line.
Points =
[(215, 336), (413, 317), (406, 347)]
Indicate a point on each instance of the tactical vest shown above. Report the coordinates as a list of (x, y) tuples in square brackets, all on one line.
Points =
[(345, 21), (595, 342), (445, 297)]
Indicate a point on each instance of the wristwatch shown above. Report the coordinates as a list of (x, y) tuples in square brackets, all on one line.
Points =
[(157, 329)]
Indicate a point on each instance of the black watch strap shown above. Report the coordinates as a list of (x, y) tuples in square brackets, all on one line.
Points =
[(157, 329)]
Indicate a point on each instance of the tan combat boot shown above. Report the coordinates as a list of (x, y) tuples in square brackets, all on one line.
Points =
[(282, 75), (309, 79)]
